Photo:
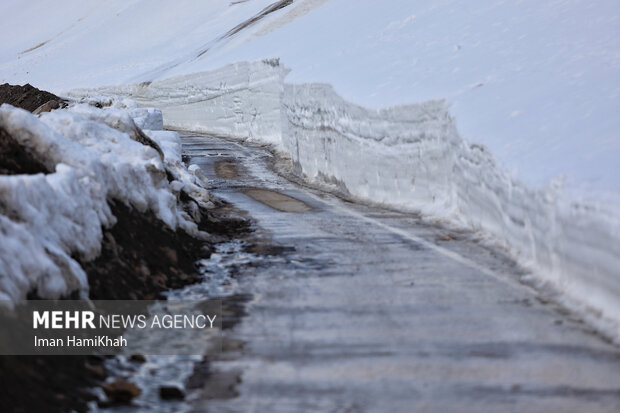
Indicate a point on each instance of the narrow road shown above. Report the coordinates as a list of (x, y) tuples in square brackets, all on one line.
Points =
[(370, 310)]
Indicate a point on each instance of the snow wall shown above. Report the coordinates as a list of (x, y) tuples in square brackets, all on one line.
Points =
[(408, 157)]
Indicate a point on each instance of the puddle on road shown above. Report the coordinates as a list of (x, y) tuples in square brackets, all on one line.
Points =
[(226, 169), (184, 371), (278, 201)]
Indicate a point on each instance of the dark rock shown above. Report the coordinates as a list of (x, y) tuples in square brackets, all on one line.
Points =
[(26, 97), (47, 107), (16, 159), (97, 370), (171, 392), (138, 358), (121, 391), (171, 254)]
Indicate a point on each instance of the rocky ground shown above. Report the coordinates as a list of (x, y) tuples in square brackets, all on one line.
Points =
[(140, 259), (26, 97)]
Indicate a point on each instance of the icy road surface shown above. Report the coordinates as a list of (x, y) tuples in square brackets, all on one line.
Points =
[(369, 310)]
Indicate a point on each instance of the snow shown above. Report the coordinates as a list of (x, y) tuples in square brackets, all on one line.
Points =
[(239, 100), (535, 82), (410, 157), (60, 215), (510, 119), (538, 83)]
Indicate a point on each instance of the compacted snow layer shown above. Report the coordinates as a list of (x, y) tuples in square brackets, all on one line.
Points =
[(240, 100), (48, 219), (410, 157)]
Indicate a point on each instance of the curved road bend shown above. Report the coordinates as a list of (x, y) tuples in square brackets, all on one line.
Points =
[(369, 310)]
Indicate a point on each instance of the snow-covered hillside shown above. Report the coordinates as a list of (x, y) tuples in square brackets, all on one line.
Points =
[(51, 221), (536, 82), (508, 120)]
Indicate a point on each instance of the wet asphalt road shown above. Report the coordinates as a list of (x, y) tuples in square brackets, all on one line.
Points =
[(370, 310)]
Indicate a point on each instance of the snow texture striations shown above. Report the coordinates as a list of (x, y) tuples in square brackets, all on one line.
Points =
[(409, 157)]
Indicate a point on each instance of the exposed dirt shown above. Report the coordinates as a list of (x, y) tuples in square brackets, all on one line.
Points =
[(41, 383), (26, 97), (14, 159), (261, 15), (34, 47), (224, 223), (277, 200), (251, 21), (140, 259), (226, 169)]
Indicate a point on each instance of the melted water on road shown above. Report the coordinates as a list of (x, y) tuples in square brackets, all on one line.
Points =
[(362, 309), (373, 311)]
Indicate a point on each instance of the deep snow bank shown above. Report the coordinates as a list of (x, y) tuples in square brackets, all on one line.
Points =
[(410, 157), (49, 220), (536, 82), (413, 158), (239, 100)]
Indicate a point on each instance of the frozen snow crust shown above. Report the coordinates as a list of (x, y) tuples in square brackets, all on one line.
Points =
[(409, 157), (48, 219)]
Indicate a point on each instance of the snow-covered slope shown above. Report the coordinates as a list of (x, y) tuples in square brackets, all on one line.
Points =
[(49, 220), (536, 82), (510, 123)]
